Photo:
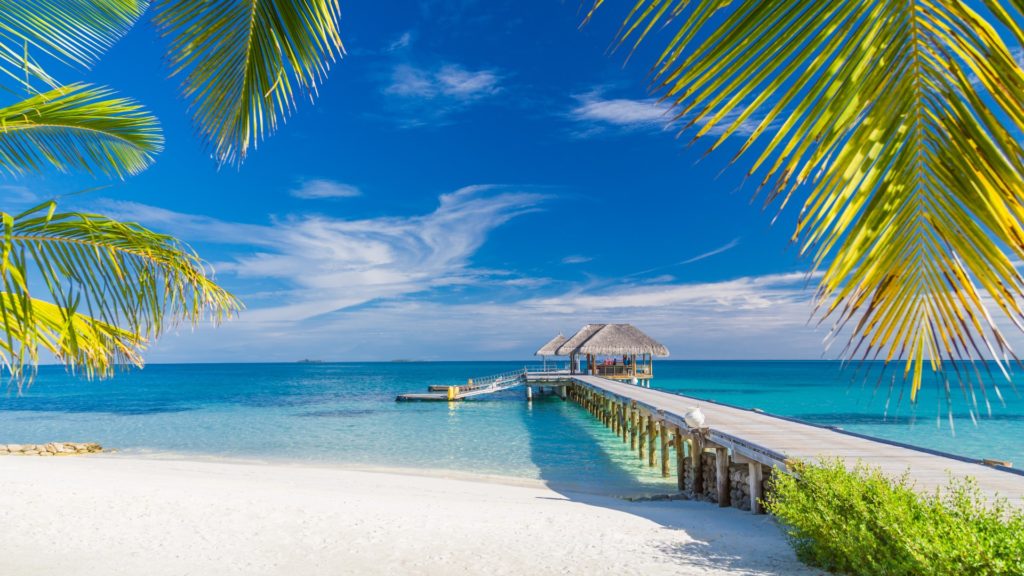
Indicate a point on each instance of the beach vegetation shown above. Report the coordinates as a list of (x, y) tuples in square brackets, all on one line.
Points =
[(860, 521), (895, 124), (89, 289)]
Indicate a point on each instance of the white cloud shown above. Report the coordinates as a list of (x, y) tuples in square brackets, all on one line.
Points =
[(319, 188), (599, 114), (405, 287), (620, 111), (750, 317), (15, 194), (576, 259), (321, 265), (448, 81), (401, 42)]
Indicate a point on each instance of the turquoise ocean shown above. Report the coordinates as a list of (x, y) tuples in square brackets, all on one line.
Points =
[(345, 413)]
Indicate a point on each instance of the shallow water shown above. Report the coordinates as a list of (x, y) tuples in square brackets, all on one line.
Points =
[(346, 413)]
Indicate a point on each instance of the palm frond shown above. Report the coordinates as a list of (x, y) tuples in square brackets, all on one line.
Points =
[(78, 341), (78, 127), (102, 272), (900, 120), (75, 32), (245, 61)]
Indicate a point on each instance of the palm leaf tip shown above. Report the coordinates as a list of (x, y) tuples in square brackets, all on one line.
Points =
[(899, 119), (245, 61), (74, 32), (112, 287), (78, 127)]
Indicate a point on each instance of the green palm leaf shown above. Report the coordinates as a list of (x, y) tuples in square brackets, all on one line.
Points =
[(245, 61), (75, 339), (75, 32), (900, 120), (119, 282), (78, 127)]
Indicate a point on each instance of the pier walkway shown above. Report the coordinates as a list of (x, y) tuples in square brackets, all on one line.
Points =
[(734, 436)]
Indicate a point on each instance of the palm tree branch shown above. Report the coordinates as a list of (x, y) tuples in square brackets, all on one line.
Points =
[(900, 120), (245, 61), (78, 127), (73, 32), (119, 274)]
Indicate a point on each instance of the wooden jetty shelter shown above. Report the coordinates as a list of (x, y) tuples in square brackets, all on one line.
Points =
[(614, 351), (550, 349)]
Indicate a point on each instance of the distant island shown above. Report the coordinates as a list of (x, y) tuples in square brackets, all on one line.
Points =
[(308, 361)]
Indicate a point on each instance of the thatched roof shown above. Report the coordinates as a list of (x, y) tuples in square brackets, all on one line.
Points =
[(613, 340), (551, 348), (574, 342)]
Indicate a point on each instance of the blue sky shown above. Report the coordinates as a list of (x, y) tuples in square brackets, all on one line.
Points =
[(474, 177)]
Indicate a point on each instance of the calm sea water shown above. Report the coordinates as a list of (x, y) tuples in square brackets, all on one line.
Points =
[(346, 413)]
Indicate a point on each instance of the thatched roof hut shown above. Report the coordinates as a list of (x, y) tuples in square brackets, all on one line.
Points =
[(621, 340), (611, 340), (576, 340), (551, 348)]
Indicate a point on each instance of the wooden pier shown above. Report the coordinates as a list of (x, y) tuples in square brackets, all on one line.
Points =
[(730, 458)]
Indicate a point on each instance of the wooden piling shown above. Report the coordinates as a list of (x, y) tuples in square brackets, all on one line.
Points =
[(663, 432), (632, 427), (722, 475), (696, 449), (624, 413), (680, 460), (755, 478), (641, 430), (652, 435)]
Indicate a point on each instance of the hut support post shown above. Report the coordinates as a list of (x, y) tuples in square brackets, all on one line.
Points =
[(722, 475), (529, 393)]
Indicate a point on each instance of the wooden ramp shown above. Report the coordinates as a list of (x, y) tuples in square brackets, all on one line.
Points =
[(477, 387), (770, 440)]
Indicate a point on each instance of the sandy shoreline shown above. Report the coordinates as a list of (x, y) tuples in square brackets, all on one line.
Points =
[(129, 515)]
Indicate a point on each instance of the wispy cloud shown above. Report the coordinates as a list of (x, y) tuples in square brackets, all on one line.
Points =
[(598, 114), (320, 188), (400, 43), (405, 287), (320, 265), (748, 317), (448, 81), (576, 259), (621, 112), (13, 194), (431, 96), (723, 248), (702, 256)]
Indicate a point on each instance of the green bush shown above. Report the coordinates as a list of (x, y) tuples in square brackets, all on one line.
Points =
[(861, 521)]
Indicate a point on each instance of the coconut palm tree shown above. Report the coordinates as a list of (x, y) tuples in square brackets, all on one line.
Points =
[(89, 289), (897, 124)]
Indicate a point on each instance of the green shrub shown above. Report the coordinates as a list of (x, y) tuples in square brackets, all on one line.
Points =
[(863, 522)]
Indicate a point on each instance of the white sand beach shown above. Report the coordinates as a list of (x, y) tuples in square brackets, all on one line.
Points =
[(107, 515)]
